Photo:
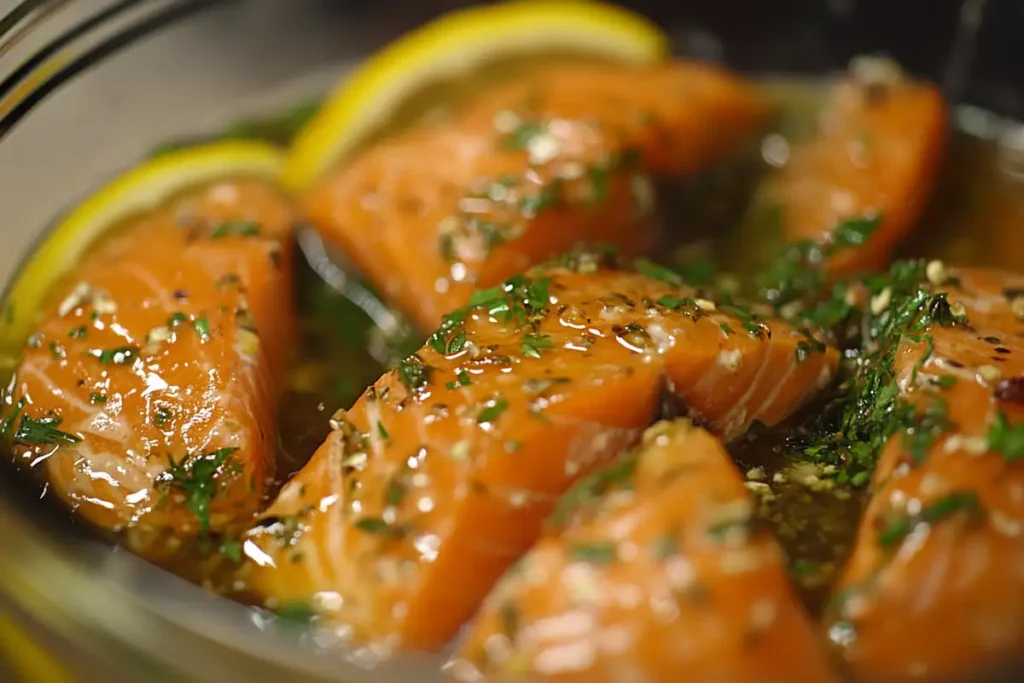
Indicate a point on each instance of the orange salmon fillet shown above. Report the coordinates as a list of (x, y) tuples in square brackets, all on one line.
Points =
[(526, 172), (652, 567), (877, 155), (935, 585), (148, 394), (442, 473)]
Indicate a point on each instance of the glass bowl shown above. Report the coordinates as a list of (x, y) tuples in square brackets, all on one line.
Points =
[(91, 86)]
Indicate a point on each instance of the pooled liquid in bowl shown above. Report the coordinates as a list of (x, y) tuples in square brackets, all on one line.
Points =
[(716, 228)]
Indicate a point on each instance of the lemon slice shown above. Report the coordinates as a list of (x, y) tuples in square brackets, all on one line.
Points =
[(142, 188), (454, 45)]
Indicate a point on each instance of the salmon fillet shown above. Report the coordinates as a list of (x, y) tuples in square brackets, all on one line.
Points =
[(148, 394), (876, 156), (652, 566), (442, 473), (935, 585), (526, 172)]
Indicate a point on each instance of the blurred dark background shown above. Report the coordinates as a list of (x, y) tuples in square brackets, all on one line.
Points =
[(814, 35)]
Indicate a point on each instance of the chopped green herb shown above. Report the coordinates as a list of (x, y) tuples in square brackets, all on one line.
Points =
[(380, 527), (239, 228), (698, 272), (297, 612), (749, 320), (593, 487), (161, 416), (395, 493), (177, 318), (510, 617), (78, 332), (197, 478), (900, 526), (538, 385), (522, 136), (673, 302), (124, 355), (796, 274), (854, 232), (492, 410), (462, 379), (598, 177), (922, 432), (231, 548), (42, 432), (807, 346), (1006, 437), (519, 299), (97, 398), (593, 553), (456, 343), (483, 297), (657, 271), (587, 258), (5, 428), (946, 381), (634, 334), (871, 407), (57, 351), (382, 431), (533, 344), (498, 190), (414, 373), (803, 568), (202, 327)]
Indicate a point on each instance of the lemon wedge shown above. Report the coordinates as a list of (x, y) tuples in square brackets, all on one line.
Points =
[(143, 188), (455, 45)]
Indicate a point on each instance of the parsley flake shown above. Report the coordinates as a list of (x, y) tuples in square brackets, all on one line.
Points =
[(197, 477), (123, 355), (414, 373), (492, 410), (533, 344), (238, 228), (900, 526), (42, 432), (1006, 437), (202, 327), (594, 553)]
